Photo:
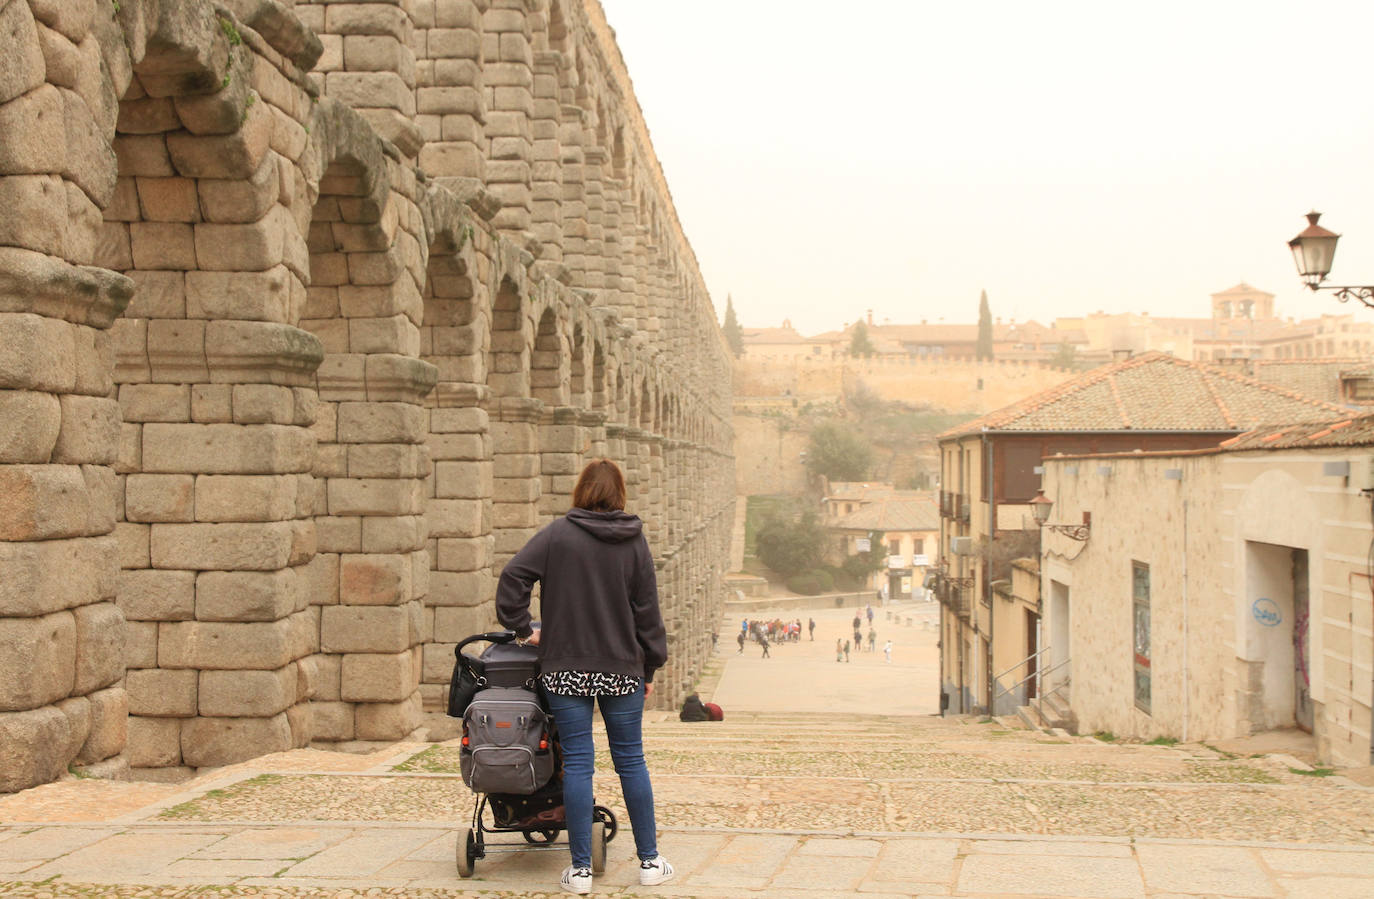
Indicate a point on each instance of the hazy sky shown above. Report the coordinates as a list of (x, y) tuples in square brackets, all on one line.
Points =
[(826, 157)]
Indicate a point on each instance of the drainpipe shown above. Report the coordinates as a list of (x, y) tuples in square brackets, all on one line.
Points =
[(987, 568), (1185, 620)]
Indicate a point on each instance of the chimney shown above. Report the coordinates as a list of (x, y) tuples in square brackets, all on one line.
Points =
[(870, 316)]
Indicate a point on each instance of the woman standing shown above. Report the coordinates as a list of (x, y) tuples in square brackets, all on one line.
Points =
[(601, 640)]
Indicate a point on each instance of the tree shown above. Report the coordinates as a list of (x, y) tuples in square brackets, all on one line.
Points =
[(984, 328), (734, 337), (859, 344), (1064, 356), (861, 565), (838, 452), (790, 543)]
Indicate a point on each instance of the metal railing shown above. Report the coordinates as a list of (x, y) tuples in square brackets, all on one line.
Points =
[(1038, 676)]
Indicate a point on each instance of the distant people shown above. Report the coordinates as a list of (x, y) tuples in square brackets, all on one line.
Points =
[(811, 627), (739, 638), (858, 621), (858, 640), (693, 709), (872, 639), (715, 639), (869, 610), (846, 650), (839, 650), (887, 651), (763, 641)]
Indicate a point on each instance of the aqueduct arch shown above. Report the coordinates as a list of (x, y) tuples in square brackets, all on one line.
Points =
[(313, 316)]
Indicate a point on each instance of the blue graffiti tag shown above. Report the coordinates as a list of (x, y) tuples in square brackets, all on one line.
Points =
[(1267, 612)]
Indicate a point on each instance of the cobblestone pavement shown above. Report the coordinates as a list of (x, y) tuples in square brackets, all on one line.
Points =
[(771, 802)]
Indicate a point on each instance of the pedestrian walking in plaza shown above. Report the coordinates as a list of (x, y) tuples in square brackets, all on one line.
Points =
[(887, 651), (858, 640), (601, 642), (763, 641), (869, 612), (858, 622), (739, 638), (846, 650), (872, 639), (811, 627), (839, 650)]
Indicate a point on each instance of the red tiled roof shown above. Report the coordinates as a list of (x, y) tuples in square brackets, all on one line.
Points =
[(893, 515), (1352, 431), (1153, 392)]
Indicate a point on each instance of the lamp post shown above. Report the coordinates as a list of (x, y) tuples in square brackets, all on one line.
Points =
[(1040, 509), (1314, 249)]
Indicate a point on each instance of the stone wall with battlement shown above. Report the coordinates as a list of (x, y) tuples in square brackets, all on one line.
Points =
[(309, 316)]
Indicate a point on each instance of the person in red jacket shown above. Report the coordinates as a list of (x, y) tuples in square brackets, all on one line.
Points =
[(600, 642)]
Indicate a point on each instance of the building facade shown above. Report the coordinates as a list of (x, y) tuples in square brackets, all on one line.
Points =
[(309, 316)]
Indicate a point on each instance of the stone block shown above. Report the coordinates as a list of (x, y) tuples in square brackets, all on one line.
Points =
[(505, 516), (437, 663), (331, 721), (109, 725), (162, 692), (240, 200), (455, 623), (458, 421), (155, 402), (154, 742), (455, 518), (400, 534), (32, 422), (374, 579), (463, 554), (263, 404), (90, 431), (374, 677), (463, 480), (381, 423), (302, 725), (246, 497), (213, 742), (140, 644), (27, 741), (339, 534), (387, 460), (132, 541), (22, 66), (472, 447), (375, 496), (387, 720), (321, 579), (236, 155), (153, 595), (251, 694), (36, 353), (36, 210), (162, 245), (50, 575), (37, 660), (246, 595), (212, 403), (159, 497), (512, 464), (248, 546), (229, 646), (168, 200), (252, 247), (460, 588), (99, 646), (364, 628), (78, 712), (36, 139), (384, 90), (226, 449)]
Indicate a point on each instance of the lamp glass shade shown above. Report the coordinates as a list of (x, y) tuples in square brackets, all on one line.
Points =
[(1040, 507), (1313, 251)]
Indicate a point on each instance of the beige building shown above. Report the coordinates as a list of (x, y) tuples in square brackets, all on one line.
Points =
[(991, 470), (1221, 592), (908, 523)]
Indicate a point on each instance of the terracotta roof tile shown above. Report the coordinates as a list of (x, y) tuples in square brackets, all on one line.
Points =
[(893, 515), (1154, 392), (1353, 431)]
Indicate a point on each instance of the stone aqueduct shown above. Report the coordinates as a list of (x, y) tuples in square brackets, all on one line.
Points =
[(309, 315)]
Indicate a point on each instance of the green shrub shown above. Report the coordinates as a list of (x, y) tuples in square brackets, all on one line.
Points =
[(824, 578), (805, 584)]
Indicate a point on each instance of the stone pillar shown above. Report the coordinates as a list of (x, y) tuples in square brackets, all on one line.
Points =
[(561, 446), (508, 82), (546, 155), (570, 136), (593, 172), (615, 447), (593, 424), (515, 475), (450, 100)]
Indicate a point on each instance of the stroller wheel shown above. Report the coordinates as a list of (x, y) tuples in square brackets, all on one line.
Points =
[(607, 817), (598, 847), (467, 853), (539, 836)]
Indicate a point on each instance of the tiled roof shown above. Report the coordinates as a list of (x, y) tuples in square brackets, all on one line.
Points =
[(893, 515), (1153, 392), (1319, 379), (1242, 287), (1353, 431)]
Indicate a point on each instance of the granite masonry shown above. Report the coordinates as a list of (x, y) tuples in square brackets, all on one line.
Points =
[(309, 316)]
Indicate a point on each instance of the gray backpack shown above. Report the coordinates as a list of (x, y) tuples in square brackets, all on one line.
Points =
[(507, 744)]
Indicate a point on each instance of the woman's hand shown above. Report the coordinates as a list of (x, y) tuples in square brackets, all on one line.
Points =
[(533, 638)]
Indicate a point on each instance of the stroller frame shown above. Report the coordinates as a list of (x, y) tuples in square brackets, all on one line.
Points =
[(543, 835)]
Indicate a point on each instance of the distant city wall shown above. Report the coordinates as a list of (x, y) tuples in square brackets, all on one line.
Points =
[(949, 385)]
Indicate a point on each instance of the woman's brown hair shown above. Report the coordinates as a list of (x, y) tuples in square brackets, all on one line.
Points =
[(600, 487)]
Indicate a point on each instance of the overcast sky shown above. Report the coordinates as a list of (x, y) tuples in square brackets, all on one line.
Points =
[(902, 155)]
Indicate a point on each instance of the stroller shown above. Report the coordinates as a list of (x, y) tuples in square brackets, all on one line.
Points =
[(510, 754)]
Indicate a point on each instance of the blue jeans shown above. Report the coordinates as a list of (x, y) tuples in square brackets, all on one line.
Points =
[(624, 716)]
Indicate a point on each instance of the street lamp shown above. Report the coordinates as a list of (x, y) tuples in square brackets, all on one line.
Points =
[(1040, 509), (1313, 251)]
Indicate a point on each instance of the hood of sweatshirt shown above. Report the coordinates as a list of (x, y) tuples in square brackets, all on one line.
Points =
[(608, 527)]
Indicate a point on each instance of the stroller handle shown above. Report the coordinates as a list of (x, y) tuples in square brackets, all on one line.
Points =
[(488, 637)]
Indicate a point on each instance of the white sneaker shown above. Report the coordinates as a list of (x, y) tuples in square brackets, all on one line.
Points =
[(656, 871), (578, 880)]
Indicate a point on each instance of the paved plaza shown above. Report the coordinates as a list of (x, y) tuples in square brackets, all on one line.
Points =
[(825, 779)]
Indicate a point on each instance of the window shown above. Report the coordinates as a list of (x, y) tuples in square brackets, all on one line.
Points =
[(1140, 607), (894, 547), (920, 547)]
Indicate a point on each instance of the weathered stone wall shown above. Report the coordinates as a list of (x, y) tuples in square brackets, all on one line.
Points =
[(393, 273)]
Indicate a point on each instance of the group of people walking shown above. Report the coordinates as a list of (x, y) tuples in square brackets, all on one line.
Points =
[(844, 647), (770, 633)]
